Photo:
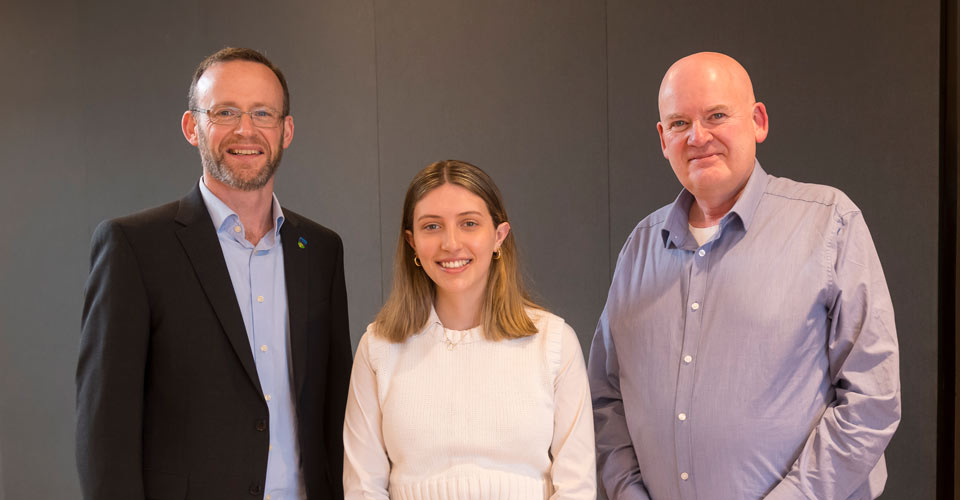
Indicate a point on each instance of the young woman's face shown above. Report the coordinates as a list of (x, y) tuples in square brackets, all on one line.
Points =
[(454, 237)]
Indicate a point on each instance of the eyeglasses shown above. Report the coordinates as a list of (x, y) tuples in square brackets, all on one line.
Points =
[(228, 115)]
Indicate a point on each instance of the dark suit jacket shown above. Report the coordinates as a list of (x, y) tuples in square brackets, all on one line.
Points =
[(169, 404)]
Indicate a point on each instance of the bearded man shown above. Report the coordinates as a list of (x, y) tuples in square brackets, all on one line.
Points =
[(215, 350)]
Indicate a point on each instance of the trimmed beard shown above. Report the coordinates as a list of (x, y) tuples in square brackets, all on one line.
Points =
[(219, 170)]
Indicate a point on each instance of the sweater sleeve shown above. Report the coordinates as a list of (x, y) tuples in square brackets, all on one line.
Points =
[(573, 470), (366, 468)]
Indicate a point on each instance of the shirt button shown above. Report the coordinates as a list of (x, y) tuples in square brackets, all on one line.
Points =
[(266, 497), (266, 396), (236, 229), (259, 298), (263, 348), (682, 416), (270, 448), (702, 252), (684, 476), (695, 306), (686, 359)]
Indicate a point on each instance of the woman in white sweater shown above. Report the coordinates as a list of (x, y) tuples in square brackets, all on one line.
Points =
[(463, 388)]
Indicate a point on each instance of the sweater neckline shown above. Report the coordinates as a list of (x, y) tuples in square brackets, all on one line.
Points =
[(450, 337), (454, 338)]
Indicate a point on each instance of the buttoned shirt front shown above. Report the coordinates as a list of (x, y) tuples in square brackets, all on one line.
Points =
[(762, 364), (257, 275)]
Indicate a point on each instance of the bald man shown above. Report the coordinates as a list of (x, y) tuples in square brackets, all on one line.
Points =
[(747, 348)]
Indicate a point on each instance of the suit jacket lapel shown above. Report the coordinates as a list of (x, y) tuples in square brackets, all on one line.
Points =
[(199, 240), (295, 263)]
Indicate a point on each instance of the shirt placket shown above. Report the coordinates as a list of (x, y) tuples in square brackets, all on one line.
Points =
[(692, 330), (266, 349)]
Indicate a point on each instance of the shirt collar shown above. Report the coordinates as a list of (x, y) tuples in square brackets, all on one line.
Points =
[(452, 338), (223, 216), (746, 206), (675, 226), (433, 319)]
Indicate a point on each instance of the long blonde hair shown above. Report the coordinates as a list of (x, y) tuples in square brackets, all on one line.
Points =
[(503, 312)]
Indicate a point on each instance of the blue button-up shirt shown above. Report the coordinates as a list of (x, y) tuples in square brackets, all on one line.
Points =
[(257, 274), (762, 364)]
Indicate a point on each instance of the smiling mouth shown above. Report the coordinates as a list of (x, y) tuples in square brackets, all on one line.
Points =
[(244, 152), (454, 264), (704, 157)]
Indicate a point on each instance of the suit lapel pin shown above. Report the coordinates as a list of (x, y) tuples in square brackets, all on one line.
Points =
[(302, 242)]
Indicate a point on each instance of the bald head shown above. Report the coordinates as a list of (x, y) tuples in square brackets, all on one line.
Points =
[(710, 124), (707, 68)]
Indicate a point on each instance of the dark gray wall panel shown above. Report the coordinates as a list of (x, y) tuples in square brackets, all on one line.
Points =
[(40, 195), (138, 60), (518, 89), (852, 97)]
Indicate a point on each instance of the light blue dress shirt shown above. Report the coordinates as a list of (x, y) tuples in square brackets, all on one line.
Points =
[(762, 364), (258, 279)]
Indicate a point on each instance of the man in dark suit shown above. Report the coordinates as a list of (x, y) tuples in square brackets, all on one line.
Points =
[(215, 351)]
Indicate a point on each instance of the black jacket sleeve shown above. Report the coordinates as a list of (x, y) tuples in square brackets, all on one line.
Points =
[(110, 371)]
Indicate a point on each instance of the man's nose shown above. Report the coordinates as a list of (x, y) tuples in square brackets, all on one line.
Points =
[(698, 136), (245, 125)]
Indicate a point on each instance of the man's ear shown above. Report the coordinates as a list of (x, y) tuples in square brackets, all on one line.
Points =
[(761, 122), (663, 144), (287, 131), (189, 125)]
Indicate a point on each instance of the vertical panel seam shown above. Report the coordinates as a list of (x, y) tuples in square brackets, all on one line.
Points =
[(606, 97), (376, 85)]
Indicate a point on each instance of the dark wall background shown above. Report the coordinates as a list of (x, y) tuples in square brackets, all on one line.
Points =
[(556, 99)]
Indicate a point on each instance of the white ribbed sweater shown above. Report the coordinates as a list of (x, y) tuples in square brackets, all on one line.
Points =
[(451, 415)]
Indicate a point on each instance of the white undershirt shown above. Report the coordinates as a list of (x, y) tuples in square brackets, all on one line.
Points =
[(703, 234)]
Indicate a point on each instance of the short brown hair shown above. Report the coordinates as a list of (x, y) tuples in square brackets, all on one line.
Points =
[(503, 313), (236, 54)]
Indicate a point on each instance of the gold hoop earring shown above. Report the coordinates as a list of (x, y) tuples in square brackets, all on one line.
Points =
[(416, 260), (497, 254)]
